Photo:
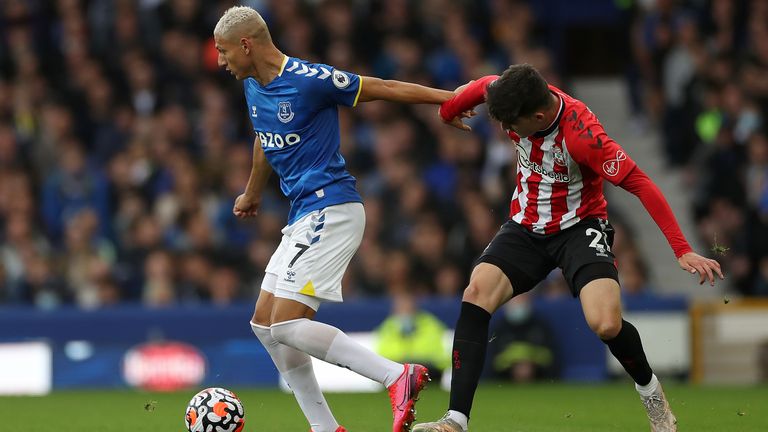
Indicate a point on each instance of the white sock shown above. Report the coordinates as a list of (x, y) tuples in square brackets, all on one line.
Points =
[(296, 369), (331, 344), (459, 418), (648, 389)]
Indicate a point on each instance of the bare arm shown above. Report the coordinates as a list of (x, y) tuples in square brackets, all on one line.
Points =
[(260, 171), (398, 91), (247, 204)]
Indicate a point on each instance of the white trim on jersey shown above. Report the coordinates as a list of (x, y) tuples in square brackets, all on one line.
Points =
[(522, 197), (282, 65), (544, 197), (575, 186)]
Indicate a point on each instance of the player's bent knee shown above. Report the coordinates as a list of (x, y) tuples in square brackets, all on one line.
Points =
[(606, 329), (261, 319), (281, 332), (262, 315), (473, 293), (488, 288), (479, 294)]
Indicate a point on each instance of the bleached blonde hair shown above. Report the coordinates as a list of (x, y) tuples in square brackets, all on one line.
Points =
[(245, 20)]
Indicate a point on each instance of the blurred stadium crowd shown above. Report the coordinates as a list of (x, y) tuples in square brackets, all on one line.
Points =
[(702, 71), (123, 146)]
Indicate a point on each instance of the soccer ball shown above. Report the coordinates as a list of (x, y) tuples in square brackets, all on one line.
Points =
[(215, 410)]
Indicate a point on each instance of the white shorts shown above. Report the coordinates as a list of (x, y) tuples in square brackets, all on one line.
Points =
[(314, 253)]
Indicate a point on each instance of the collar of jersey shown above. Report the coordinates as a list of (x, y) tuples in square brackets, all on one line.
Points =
[(277, 78), (555, 123)]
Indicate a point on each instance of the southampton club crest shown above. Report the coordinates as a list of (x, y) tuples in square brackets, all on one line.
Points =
[(284, 112), (558, 156)]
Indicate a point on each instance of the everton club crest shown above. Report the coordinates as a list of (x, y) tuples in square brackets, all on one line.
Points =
[(284, 112)]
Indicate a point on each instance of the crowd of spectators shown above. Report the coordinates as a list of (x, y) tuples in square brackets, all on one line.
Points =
[(703, 69), (123, 146)]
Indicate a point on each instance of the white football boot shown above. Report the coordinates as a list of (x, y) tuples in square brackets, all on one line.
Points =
[(659, 413), (445, 424)]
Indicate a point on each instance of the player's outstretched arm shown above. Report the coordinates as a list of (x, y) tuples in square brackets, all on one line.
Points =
[(247, 204), (590, 145), (398, 91), (639, 184)]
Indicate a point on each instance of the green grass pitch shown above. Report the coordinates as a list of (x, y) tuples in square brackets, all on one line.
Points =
[(497, 408)]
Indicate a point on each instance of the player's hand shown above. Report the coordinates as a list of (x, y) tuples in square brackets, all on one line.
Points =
[(705, 267), (246, 207), (458, 121)]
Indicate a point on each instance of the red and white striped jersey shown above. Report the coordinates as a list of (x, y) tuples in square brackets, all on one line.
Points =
[(560, 170)]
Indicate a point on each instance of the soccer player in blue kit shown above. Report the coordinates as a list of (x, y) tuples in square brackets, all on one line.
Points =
[(293, 107)]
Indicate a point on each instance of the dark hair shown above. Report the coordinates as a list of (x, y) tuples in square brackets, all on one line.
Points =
[(520, 91)]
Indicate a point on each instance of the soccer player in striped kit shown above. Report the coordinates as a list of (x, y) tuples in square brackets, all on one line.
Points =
[(558, 218)]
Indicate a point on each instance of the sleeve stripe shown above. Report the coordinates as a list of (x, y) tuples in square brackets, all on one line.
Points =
[(359, 89), (282, 66)]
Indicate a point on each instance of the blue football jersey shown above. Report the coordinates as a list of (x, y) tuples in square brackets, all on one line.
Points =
[(296, 119)]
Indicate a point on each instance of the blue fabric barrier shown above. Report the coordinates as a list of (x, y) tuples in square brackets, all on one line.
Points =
[(234, 355)]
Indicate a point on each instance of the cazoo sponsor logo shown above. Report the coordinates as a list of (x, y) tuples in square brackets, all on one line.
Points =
[(271, 139)]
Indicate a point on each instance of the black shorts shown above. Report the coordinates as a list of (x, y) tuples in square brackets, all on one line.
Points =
[(527, 258)]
